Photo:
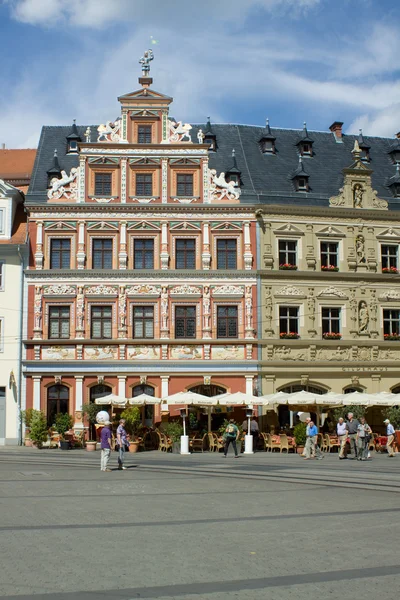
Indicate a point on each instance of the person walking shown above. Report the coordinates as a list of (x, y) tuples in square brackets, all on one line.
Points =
[(363, 433), (122, 441), (106, 440), (312, 435), (255, 432), (231, 435), (390, 438), (352, 425), (341, 430)]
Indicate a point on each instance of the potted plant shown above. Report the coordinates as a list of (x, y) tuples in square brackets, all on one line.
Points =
[(391, 336), (328, 335), (174, 431), (26, 418), (38, 430), (133, 424), (300, 437), (390, 270), (63, 423), (287, 267), (289, 335), (393, 414)]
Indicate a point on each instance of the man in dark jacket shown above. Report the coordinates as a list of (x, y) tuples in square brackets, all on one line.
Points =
[(352, 429)]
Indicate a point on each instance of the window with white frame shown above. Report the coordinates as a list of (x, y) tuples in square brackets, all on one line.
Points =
[(289, 321), (330, 321), (329, 255), (143, 322), (287, 253), (389, 256), (391, 322)]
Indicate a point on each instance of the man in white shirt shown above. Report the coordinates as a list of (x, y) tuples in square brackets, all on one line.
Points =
[(390, 438), (341, 430)]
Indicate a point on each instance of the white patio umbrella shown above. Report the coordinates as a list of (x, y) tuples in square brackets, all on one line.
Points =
[(143, 399), (236, 399), (271, 399), (329, 400), (357, 398), (384, 399), (111, 399), (187, 398)]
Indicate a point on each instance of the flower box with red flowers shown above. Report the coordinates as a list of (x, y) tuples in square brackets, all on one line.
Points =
[(287, 267), (290, 335), (332, 336), (390, 337), (329, 268), (392, 270)]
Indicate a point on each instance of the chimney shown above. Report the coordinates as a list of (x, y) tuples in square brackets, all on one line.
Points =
[(336, 129)]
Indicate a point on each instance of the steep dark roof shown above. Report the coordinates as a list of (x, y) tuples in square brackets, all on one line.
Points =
[(266, 178)]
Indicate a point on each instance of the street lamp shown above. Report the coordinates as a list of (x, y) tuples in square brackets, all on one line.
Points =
[(184, 437), (248, 438)]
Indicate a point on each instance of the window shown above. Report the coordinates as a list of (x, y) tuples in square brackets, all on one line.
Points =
[(102, 253), (143, 254), (391, 322), (210, 140), (226, 254), (287, 252), (57, 402), (144, 184), (2, 267), (143, 322), (144, 134), (72, 146), (227, 322), (59, 322), (101, 322), (268, 146), (302, 184), (306, 148), (389, 258), (184, 184), (185, 322), (330, 320), (102, 184), (60, 254), (289, 320), (329, 255), (185, 254)]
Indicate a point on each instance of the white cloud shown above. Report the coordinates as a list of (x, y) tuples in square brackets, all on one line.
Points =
[(383, 123)]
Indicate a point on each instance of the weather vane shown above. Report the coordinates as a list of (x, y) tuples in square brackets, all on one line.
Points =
[(145, 62)]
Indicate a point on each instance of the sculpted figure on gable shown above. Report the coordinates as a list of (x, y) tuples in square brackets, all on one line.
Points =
[(179, 131), (66, 187), (219, 188), (110, 132)]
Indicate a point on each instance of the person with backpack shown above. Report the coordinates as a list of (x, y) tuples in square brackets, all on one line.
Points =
[(231, 435)]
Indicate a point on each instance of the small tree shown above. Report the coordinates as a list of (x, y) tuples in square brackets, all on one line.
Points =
[(39, 431), (133, 420), (299, 433), (90, 411), (173, 430), (26, 416), (63, 422), (358, 412), (393, 414)]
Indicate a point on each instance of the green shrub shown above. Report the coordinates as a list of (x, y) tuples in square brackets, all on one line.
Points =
[(63, 422), (358, 412), (299, 433), (133, 420), (90, 411), (26, 416), (173, 430), (39, 431), (393, 414)]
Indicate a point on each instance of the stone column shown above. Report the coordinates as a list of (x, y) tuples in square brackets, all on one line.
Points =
[(39, 246), (81, 180), (80, 255), (123, 180), (269, 329), (80, 314), (310, 254), (122, 328), (206, 185), (122, 386), (371, 250), (164, 329), (249, 330), (38, 314), (268, 254), (164, 246), (206, 255), (249, 384), (124, 129), (78, 402), (248, 257), (376, 383), (349, 249), (36, 391), (164, 181), (164, 386), (206, 313), (122, 256)]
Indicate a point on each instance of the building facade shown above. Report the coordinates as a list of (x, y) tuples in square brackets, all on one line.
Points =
[(13, 259), (143, 264)]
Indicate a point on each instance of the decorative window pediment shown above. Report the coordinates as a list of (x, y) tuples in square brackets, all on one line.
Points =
[(391, 234), (390, 295), (144, 161), (185, 226), (289, 291), (103, 160), (332, 292), (288, 229), (178, 162), (330, 232), (145, 113), (144, 225), (60, 225), (103, 226), (225, 226)]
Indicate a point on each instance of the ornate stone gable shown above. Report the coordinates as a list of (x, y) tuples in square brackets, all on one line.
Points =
[(143, 290), (104, 160), (390, 295), (227, 290), (330, 292), (59, 290), (357, 190), (145, 161), (185, 290), (289, 290), (101, 290)]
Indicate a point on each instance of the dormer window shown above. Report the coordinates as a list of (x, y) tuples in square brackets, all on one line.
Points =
[(210, 137), (72, 140), (305, 143), (211, 141), (232, 177), (300, 178), (364, 147), (395, 151), (267, 141), (233, 173), (394, 182), (302, 184), (55, 170)]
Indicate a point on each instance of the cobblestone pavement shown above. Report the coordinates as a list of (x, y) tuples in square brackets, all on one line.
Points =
[(198, 527)]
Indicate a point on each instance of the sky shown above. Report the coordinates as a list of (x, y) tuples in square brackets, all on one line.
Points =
[(237, 61)]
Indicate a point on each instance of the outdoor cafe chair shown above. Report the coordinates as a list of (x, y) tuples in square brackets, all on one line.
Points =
[(218, 444), (284, 443), (266, 438), (198, 444)]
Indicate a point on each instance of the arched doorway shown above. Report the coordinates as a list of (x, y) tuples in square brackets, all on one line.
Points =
[(97, 391), (288, 418), (208, 390), (143, 388), (57, 401)]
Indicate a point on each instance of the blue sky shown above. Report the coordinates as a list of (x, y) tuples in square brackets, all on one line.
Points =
[(238, 61)]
